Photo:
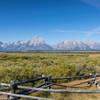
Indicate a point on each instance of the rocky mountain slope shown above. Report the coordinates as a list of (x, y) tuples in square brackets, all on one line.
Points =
[(39, 44)]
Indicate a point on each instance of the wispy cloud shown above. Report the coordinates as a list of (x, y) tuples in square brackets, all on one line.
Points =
[(95, 31), (87, 34), (71, 31), (64, 31), (95, 3)]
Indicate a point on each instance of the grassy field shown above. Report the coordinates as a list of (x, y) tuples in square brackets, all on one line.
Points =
[(23, 66)]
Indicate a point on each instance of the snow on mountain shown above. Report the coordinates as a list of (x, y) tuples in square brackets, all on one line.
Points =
[(1, 46), (72, 45), (39, 44), (34, 44), (93, 45)]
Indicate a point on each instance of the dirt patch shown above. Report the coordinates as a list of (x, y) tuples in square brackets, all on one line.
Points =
[(94, 55)]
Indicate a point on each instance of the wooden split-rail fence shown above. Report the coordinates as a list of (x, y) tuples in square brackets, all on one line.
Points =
[(16, 90)]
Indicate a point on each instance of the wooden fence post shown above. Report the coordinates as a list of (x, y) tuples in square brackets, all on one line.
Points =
[(47, 80), (13, 88)]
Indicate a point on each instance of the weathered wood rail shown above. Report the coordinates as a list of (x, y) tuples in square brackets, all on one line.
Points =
[(24, 91)]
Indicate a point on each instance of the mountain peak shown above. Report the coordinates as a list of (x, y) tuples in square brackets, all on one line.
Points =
[(37, 43), (72, 45), (38, 39)]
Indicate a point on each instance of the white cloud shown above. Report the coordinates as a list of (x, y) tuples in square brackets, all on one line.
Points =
[(87, 34), (71, 31), (64, 31), (95, 31), (95, 3)]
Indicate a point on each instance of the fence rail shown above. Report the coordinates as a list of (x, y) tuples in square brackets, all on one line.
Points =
[(24, 96), (24, 91)]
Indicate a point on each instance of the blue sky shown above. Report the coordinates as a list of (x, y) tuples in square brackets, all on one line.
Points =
[(53, 20)]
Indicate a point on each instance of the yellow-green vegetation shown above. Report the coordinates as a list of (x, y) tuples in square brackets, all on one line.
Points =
[(23, 66)]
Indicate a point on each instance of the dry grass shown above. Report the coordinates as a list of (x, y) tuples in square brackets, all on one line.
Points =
[(94, 55), (77, 96), (3, 97)]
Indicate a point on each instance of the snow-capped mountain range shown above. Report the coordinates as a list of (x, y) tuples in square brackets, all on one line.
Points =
[(39, 44)]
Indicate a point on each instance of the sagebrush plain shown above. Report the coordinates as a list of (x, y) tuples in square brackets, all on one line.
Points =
[(24, 66)]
